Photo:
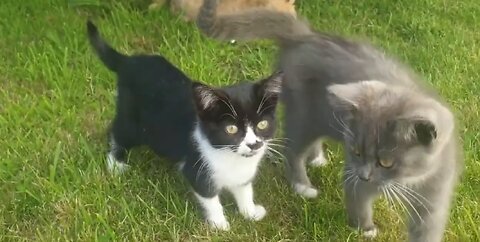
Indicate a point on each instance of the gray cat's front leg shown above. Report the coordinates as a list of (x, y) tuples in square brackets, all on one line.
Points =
[(433, 218), (359, 197)]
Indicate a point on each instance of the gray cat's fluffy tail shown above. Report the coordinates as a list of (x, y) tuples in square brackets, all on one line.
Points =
[(256, 23)]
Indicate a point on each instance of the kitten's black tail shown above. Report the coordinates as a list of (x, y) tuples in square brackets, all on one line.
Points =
[(110, 57)]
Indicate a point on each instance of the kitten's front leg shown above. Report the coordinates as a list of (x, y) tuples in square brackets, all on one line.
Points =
[(428, 217), (359, 197), (213, 211), (243, 195)]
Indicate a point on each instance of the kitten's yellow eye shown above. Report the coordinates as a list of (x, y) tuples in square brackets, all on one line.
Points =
[(262, 124), (231, 129), (386, 163)]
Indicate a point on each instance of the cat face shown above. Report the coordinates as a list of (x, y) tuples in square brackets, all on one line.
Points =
[(239, 118), (390, 134)]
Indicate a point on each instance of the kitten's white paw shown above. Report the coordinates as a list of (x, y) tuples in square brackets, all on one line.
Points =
[(256, 214), (319, 161), (305, 191), (371, 233), (219, 223), (115, 167)]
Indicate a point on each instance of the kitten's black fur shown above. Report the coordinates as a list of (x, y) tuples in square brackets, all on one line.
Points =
[(159, 106)]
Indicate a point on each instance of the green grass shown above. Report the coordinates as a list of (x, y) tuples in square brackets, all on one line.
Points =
[(56, 100)]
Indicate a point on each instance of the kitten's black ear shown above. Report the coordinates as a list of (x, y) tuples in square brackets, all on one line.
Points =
[(272, 86), (204, 96)]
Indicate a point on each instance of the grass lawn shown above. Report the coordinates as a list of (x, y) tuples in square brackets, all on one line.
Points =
[(56, 100)]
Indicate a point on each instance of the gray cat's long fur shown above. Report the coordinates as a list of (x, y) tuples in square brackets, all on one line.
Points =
[(353, 92)]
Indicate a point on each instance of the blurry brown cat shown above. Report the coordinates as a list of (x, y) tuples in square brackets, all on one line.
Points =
[(190, 8)]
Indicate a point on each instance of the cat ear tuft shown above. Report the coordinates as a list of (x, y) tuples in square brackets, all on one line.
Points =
[(273, 84), (204, 96), (343, 96), (348, 96)]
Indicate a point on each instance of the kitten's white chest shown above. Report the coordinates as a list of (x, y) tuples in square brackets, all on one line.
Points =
[(230, 170), (227, 168)]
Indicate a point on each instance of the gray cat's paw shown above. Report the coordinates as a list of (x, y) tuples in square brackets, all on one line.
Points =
[(370, 233), (305, 190)]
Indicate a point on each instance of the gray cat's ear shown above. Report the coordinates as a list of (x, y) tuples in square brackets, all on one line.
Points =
[(203, 96), (348, 96), (273, 84), (343, 96), (416, 130), (425, 131)]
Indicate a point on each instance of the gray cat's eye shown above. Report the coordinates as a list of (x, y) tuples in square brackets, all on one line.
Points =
[(231, 129), (385, 163)]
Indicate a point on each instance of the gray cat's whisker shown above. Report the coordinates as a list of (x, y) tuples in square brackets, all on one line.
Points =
[(342, 124), (413, 193), (400, 193), (402, 188), (349, 179), (400, 202), (355, 188), (392, 201)]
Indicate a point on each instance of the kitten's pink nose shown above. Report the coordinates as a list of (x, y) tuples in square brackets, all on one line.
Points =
[(256, 145)]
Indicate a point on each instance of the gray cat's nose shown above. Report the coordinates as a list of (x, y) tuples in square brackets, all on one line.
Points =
[(364, 177), (256, 145), (365, 173)]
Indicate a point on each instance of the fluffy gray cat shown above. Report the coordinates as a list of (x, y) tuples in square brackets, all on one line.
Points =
[(400, 137)]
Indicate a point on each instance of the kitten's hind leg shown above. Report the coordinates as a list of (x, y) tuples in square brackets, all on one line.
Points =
[(116, 157), (359, 197), (243, 195), (319, 155)]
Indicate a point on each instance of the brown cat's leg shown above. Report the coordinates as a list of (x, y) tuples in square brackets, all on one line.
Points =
[(359, 197)]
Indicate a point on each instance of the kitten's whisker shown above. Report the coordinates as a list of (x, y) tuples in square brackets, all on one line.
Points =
[(391, 200), (343, 125), (412, 195), (230, 106), (228, 114), (266, 108), (409, 203), (355, 188), (276, 152), (349, 179), (400, 202), (264, 98)]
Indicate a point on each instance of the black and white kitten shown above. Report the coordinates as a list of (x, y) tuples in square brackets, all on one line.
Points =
[(219, 135)]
